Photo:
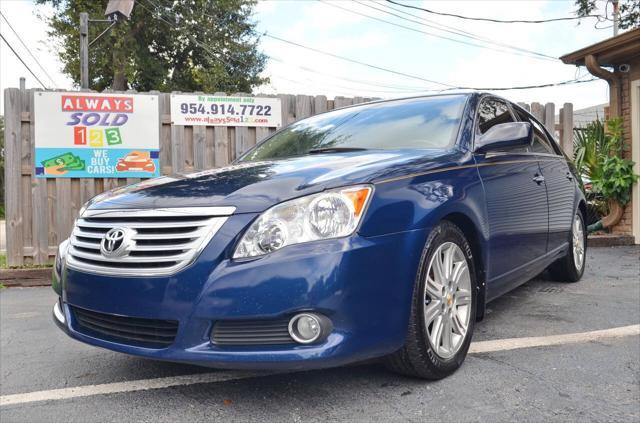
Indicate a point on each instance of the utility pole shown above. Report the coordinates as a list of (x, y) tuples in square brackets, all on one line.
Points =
[(116, 11), (616, 17), (84, 50)]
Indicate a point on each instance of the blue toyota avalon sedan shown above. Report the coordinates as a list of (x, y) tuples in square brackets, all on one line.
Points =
[(374, 231)]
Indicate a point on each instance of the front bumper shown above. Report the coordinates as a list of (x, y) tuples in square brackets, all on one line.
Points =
[(364, 285)]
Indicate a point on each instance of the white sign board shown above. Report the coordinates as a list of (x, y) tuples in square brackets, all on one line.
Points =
[(90, 135), (211, 110)]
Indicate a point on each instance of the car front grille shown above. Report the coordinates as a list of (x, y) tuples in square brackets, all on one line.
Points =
[(251, 332), (159, 241), (150, 333)]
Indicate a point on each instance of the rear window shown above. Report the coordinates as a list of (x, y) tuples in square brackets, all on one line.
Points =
[(421, 123)]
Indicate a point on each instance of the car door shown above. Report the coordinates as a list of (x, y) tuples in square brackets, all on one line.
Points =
[(559, 183), (516, 203)]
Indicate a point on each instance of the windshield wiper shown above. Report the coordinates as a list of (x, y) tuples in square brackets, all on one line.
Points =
[(335, 150)]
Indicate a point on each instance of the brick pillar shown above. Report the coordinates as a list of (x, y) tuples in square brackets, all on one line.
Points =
[(624, 227)]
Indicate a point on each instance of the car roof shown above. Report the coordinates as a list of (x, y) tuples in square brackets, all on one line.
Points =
[(467, 93)]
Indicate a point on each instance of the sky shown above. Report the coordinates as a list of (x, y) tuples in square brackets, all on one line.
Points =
[(339, 27)]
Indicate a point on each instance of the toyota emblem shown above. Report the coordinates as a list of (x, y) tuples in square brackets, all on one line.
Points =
[(117, 242)]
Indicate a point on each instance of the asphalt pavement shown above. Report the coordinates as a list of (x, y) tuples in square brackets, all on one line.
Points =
[(573, 378)]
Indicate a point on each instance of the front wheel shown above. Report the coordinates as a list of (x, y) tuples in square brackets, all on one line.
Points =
[(571, 267), (443, 308)]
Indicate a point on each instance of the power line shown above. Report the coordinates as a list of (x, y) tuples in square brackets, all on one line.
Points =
[(536, 56), (355, 89), (206, 48), (451, 30), (567, 18), (525, 87), (27, 48), (449, 86), (358, 62), (20, 58), (362, 82)]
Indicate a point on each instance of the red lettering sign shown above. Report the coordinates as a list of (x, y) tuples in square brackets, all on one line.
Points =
[(87, 103)]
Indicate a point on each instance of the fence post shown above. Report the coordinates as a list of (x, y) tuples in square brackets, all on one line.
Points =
[(566, 129), (537, 110), (39, 196), (303, 106), (243, 139), (12, 175), (550, 117), (177, 146), (320, 104), (221, 142), (200, 151)]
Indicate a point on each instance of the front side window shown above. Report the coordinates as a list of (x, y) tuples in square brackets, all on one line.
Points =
[(541, 144), (492, 112), (419, 123)]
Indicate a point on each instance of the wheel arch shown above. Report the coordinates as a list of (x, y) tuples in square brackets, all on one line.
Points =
[(582, 206), (473, 236)]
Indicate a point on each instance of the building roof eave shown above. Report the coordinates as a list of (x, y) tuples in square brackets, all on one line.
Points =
[(612, 51)]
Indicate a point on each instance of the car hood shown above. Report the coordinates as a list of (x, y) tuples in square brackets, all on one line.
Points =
[(256, 186)]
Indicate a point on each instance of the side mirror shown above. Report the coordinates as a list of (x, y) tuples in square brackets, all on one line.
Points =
[(504, 135)]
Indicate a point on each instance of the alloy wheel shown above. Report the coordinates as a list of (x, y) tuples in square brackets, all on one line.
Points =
[(447, 300), (578, 242)]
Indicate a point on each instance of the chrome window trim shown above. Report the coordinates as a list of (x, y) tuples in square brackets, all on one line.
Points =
[(490, 154), (217, 218)]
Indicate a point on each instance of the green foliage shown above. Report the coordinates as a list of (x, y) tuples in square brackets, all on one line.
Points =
[(191, 45), (616, 179), (629, 12), (590, 144), (598, 155)]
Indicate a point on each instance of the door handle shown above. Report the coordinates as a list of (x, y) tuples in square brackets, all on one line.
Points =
[(538, 179)]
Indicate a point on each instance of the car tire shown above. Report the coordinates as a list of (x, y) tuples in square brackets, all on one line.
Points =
[(424, 354), (570, 268)]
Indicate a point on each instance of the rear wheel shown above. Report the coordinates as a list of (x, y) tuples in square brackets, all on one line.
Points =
[(571, 267), (443, 308)]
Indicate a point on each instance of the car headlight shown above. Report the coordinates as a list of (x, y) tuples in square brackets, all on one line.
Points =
[(83, 209), (329, 214), (60, 257)]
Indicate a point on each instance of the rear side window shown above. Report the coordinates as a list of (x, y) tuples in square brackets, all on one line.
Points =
[(492, 112)]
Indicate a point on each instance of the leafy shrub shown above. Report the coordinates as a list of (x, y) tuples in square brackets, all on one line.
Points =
[(616, 179), (598, 156)]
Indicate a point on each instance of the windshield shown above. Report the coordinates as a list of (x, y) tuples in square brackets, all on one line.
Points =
[(419, 123)]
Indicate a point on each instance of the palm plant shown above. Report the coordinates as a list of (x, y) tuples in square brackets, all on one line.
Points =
[(598, 156), (593, 144)]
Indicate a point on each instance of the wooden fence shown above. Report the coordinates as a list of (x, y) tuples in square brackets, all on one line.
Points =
[(40, 212)]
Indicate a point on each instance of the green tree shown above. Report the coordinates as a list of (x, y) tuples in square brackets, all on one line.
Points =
[(629, 11), (188, 45)]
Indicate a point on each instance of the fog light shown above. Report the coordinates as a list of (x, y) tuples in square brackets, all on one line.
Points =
[(306, 327)]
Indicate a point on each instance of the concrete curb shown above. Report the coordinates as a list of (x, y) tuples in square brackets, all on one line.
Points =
[(26, 277), (610, 240)]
